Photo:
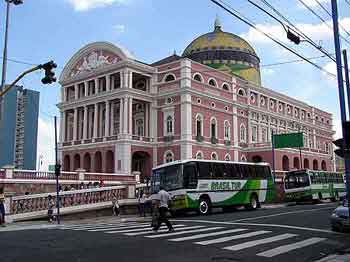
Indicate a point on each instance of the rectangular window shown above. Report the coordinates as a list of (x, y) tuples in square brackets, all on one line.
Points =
[(254, 134), (190, 175)]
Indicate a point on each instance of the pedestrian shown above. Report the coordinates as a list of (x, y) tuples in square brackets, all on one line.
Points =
[(82, 185), (2, 207), (102, 184), (115, 206), (50, 207), (164, 199), (142, 200)]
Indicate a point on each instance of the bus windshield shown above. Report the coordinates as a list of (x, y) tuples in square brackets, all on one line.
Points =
[(170, 178), (296, 180)]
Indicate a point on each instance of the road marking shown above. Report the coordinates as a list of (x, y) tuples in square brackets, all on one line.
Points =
[(184, 232), (259, 242), (99, 226), (286, 248), (162, 230), (207, 235), (117, 228), (283, 213), (257, 224), (137, 230), (111, 226), (229, 238)]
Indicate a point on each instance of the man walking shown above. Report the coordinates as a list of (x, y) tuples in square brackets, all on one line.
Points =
[(164, 199), (2, 207)]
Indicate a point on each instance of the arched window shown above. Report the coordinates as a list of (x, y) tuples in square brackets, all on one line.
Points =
[(243, 158), (168, 156), (323, 165), (315, 165), (285, 163), (306, 163), (214, 156), (225, 87), (227, 130), (227, 157), (169, 125), (198, 77), (212, 82), (199, 125), (169, 77), (139, 127), (296, 163), (213, 124), (241, 92), (199, 155), (242, 133)]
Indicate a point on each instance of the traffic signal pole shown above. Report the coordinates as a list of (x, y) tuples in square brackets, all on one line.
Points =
[(341, 92), (347, 82)]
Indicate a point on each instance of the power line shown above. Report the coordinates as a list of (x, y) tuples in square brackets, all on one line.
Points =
[(292, 61), (319, 17), (309, 40), (326, 10), (239, 16)]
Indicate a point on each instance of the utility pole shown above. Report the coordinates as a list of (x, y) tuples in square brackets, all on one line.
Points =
[(346, 72), (341, 93)]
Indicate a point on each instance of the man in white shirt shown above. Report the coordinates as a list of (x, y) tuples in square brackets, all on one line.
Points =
[(164, 199)]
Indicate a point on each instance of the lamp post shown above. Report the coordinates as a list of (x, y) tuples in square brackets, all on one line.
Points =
[(4, 57)]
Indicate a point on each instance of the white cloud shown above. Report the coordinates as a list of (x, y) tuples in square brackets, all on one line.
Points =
[(268, 71), (85, 5), (46, 142), (119, 29), (315, 31), (337, 128)]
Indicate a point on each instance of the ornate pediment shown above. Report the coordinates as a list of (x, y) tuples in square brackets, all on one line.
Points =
[(94, 60)]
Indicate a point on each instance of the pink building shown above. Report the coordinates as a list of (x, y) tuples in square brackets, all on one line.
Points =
[(122, 115)]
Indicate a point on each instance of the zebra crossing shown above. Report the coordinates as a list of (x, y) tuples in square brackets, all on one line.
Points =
[(223, 237)]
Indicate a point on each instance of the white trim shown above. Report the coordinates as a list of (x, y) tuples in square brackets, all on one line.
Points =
[(229, 130), (244, 92), (211, 155), (243, 158), (227, 157), (216, 127), (228, 86), (245, 133), (216, 83), (201, 153), (202, 123), (200, 75)]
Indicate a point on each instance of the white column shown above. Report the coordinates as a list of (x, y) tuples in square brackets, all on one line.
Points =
[(153, 121), (186, 126), (63, 127), (121, 115), (130, 79), (147, 120), (76, 91), (75, 124), (96, 85), (85, 127), (111, 124), (64, 94), (125, 78), (125, 117), (100, 114), (95, 121), (108, 83), (107, 118), (130, 116), (86, 87), (249, 129)]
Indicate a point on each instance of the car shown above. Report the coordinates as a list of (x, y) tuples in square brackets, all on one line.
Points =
[(340, 220)]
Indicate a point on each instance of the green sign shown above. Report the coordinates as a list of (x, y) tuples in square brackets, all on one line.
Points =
[(288, 140), (52, 168)]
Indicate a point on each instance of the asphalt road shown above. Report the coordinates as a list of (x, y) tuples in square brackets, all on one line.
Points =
[(298, 233)]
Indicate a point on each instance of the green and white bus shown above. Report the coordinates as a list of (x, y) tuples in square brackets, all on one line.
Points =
[(313, 185), (202, 184)]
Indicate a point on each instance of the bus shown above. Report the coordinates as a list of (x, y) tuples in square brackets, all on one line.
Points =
[(303, 185), (203, 184)]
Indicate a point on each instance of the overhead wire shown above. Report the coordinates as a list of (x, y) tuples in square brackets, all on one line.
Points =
[(242, 18)]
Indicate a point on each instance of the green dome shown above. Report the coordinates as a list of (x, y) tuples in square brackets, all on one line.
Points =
[(227, 52)]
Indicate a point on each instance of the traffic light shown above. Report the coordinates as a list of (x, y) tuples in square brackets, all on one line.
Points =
[(49, 74), (293, 37), (341, 151)]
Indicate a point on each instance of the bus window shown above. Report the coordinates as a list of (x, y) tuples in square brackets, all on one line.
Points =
[(235, 171), (244, 171), (190, 175), (252, 171), (218, 169), (205, 170), (227, 171)]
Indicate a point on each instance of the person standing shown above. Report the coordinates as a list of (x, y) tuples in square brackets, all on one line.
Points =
[(115, 206), (164, 199), (2, 207), (142, 201), (50, 207)]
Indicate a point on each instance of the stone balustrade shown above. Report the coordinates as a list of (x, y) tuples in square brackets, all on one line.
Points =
[(39, 202)]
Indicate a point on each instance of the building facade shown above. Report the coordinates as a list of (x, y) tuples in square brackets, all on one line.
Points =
[(122, 115), (19, 128)]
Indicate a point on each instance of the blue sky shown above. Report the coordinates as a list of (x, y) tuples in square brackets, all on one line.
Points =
[(41, 30)]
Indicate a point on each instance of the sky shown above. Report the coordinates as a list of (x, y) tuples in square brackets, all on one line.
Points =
[(43, 30)]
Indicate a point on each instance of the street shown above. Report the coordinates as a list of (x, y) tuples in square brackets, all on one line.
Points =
[(296, 233)]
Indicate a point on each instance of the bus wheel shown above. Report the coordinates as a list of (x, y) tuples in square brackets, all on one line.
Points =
[(204, 206), (254, 203)]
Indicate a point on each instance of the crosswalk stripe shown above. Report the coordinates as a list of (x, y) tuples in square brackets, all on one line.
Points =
[(162, 230), (99, 224), (225, 239), (184, 232), (208, 234), (136, 230), (259, 242), (104, 226), (118, 228), (286, 248)]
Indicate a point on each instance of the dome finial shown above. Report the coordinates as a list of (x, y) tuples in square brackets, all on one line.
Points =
[(217, 24)]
